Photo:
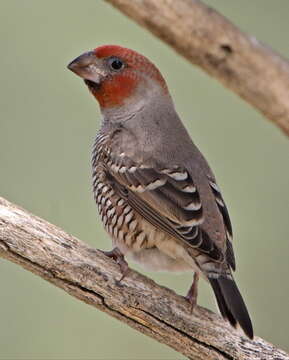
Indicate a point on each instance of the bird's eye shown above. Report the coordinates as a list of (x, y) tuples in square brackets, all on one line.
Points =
[(115, 63)]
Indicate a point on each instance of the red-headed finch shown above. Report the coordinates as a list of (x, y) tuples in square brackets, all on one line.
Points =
[(156, 194)]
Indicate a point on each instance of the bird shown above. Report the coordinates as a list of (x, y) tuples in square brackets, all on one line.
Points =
[(156, 194)]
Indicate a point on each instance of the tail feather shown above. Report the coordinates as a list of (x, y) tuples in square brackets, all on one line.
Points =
[(231, 303), (225, 311)]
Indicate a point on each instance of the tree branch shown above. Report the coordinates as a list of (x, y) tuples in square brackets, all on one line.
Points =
[(88, 275), (206, 38)]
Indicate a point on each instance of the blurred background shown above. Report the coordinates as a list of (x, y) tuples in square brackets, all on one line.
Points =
[(47, 125)]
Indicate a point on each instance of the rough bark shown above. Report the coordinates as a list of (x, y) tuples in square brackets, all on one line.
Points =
[(88, 275), (206, 38)]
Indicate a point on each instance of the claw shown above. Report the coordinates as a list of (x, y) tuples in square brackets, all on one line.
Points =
[(192, 294), (117, 256)]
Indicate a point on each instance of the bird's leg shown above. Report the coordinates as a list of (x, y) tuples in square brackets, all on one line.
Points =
[(192, 294), (117, 256)]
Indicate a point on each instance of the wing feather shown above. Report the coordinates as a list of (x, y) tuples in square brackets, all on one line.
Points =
[(166, 198), (230, 257)]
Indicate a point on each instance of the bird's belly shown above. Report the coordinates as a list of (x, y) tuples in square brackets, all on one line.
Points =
[(155, 260), (137, 239)]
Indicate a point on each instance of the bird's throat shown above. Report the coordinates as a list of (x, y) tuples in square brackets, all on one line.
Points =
[(92, 85)]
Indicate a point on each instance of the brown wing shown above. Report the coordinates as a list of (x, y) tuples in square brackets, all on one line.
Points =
[(230, 257), (167, 198)]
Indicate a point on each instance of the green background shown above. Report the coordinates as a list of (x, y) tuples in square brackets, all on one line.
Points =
[(48, 121)]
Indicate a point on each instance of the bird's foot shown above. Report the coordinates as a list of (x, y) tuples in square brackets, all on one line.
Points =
[(192, 294), (118, 257)]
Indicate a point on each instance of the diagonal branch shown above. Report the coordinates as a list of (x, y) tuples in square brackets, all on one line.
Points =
[(206, 38), (88, 275)]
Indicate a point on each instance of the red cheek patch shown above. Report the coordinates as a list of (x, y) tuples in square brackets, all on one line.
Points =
[(116, 89)]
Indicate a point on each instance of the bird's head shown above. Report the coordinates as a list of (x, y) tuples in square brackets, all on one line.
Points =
[(117, 76)]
